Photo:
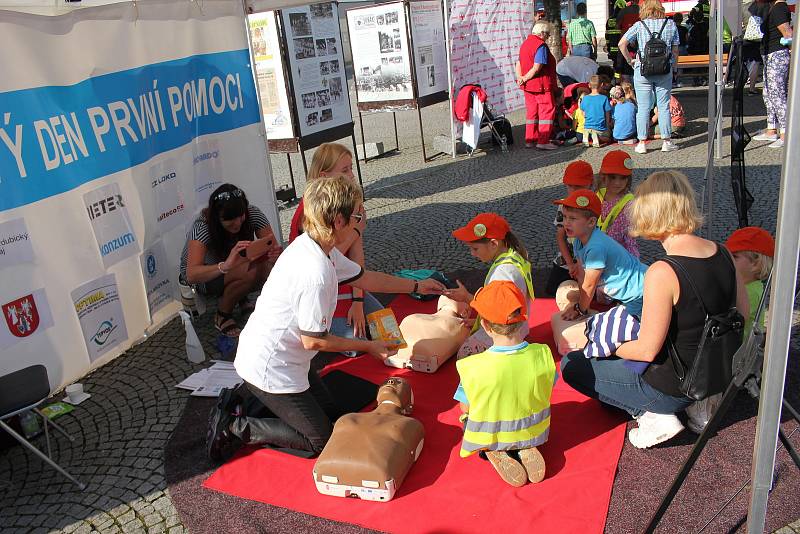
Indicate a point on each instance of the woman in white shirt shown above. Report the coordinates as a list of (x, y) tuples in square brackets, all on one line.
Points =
[(290, 325)]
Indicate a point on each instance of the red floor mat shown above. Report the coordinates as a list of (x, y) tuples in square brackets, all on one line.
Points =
[(444, 493)]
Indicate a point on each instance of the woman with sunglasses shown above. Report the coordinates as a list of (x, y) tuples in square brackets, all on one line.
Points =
[(211, 259)]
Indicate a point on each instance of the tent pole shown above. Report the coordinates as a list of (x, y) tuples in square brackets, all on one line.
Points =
[(780, 315), (712, 114), (448, 49), (719, 84)]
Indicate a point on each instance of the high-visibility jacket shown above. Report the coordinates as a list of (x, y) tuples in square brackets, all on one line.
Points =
[(509, 398), (509, 257), (613, 35), (546, 79), (605, 223)]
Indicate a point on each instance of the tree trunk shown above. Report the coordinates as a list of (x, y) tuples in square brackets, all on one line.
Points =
[(552, 14)]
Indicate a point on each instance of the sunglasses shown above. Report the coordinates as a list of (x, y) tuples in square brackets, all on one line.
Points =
[(357, 216), (228, 195)]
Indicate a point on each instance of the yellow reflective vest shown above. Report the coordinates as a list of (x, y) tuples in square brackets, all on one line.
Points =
[(514, 258), (509, 398), (605, 223)]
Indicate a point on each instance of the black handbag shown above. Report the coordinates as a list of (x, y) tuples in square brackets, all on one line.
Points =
[(712, 368)]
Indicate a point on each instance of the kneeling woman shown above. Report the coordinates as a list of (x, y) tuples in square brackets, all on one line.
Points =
[(290, 325), (211, 259), (665, 211)]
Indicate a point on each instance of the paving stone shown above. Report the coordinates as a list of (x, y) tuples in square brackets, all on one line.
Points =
[(119, 510)]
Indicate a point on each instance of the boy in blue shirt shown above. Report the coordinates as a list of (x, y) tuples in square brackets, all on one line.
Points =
[(624, 117), (597, 110), (604, 264)]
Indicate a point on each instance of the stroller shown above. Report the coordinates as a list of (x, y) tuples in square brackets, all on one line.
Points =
[(470, 103)]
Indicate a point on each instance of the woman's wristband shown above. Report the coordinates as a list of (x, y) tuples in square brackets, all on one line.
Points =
[(219, 266), (416, 287), (357, 231), (357, 299)]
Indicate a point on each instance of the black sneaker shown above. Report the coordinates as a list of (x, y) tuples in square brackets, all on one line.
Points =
[(220, 441)]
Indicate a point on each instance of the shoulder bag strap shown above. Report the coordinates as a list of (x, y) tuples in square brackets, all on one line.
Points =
[(661, 31), (727, 254), (688, 279)]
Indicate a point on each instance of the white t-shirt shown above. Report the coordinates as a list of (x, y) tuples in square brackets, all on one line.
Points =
[(507, 271), (299, 298), (579, 68)]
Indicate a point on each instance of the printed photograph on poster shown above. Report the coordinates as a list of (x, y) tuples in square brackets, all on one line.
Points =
[(380, 53), (15, 243), (207, 169), (167, 196), (430, 47), (155, 269), (314, 58), (23, 317), (270, 76), (100, 315), (111, 223)]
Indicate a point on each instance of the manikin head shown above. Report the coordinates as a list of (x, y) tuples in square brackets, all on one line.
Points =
[(451, 307), (396, 392)]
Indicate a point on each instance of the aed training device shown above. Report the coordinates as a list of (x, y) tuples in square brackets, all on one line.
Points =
[(383, 326), (369, 454)]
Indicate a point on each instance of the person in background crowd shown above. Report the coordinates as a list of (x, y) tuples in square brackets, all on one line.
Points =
[(697, 43), (652, 19), (575, 69), (211, 259), (626, 17), (624, 115), (776, 48), (597, 110), (536, 76), (581, 34), (677, 118), (683, 34), (751, 50), (630, 94), (612, 38)]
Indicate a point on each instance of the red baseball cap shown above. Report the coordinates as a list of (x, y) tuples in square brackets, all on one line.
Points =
[(579, 173), (617, 162), (483, 226), (582, 199), (498, 300), (751, 239)]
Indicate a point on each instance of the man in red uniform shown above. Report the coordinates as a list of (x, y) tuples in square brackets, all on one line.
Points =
[(536, 75)]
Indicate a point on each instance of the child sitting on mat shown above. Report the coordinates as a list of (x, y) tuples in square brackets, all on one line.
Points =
[(752, 249), (597, 110), (616, 176), (506, 389), (603, 264)]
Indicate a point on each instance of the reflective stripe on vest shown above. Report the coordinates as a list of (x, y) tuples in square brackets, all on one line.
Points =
[(508, 426), (605, 224), (514, 258)]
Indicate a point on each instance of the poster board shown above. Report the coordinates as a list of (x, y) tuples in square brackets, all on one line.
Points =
[(429, 50), (271, 78), (318, 85), (382, 63)]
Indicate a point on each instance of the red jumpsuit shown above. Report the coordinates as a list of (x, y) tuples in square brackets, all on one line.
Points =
[(539, 102)]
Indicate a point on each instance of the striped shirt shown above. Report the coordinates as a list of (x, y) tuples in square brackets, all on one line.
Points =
[(580, 31), (638, 35), (199, 232)]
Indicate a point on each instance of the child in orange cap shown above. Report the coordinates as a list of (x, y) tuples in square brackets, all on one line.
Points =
[(578, 175), (616, 176), (752, 249), (507, 388), (490, 239)]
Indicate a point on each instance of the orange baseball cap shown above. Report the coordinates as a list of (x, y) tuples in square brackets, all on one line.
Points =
[(498, 300), (752, 239), (483, 226), (617, 162), (582, 199), (579, 173)]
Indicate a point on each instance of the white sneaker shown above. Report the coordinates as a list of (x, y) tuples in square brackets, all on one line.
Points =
[(778, 143), (629, 142), (701, 412), (654, 428), (546, 146), (668, 146), (641, 148), (761, 136)]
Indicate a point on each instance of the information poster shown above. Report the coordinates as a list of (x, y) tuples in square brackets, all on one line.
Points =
[(168, 199), (160, 289), (15, 243), (269, 74), (430, 46), (381, 58), (314, 45), (100, 314), (106, 209)]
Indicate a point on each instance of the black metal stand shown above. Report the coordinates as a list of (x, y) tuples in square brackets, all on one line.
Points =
[(364, 139), (737, 72), (748, 362)]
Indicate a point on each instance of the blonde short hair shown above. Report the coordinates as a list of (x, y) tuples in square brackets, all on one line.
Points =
[(665, 205), (325, 159), (762, 264), (540, 27), (506, 329), (651, 9), (326, 198)]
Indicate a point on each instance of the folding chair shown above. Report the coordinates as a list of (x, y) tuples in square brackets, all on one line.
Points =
[(25, 390)]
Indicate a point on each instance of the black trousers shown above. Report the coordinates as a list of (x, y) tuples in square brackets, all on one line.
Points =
[(299, 421)]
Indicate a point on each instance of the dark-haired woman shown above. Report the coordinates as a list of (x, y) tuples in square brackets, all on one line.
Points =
[(211, 259)]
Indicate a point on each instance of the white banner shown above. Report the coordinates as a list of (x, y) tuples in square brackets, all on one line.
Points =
[(381, 59), (25, 316), (155, 126), (100, 315), (430, 47), (15, 243)]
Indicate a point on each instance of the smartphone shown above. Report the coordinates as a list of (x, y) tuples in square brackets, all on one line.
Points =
[(256, 249)]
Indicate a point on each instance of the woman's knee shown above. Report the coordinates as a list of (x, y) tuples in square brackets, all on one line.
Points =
[(573, 367)]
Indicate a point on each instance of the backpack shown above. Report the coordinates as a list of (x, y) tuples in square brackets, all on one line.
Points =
[(654, 57)]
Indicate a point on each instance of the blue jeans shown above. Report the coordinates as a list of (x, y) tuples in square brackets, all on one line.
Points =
[(610, 381), (583, 50), (645, 87), (339, 326)]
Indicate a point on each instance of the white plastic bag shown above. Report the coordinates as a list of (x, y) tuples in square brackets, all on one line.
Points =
[(194, 350)]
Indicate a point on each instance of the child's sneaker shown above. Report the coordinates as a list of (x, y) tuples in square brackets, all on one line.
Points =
[(654, 428), (508, 468), (533, 462), (629, 142), (641, 148)]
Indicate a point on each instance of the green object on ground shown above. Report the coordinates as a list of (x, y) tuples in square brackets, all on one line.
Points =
[(57, 409)]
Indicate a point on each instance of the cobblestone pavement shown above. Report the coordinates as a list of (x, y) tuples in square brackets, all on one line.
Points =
[(121, 431)]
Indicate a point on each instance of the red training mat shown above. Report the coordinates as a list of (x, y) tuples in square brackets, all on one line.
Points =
[(447, 493)]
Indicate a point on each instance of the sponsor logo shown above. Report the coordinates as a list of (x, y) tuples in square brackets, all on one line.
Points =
[(117, 243), (205, 156), (105, 205), (151, 266), (104, 330), (88, 300), (21, 316), (167, 177), (177, 209)]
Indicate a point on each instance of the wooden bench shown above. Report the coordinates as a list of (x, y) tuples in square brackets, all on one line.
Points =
[(699, 61)]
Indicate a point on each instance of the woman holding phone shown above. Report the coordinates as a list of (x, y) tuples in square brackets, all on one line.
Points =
[(215, 258)]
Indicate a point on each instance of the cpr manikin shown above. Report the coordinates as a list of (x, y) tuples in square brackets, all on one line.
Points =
[(369, 454), (568, 335), (432, 338)]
